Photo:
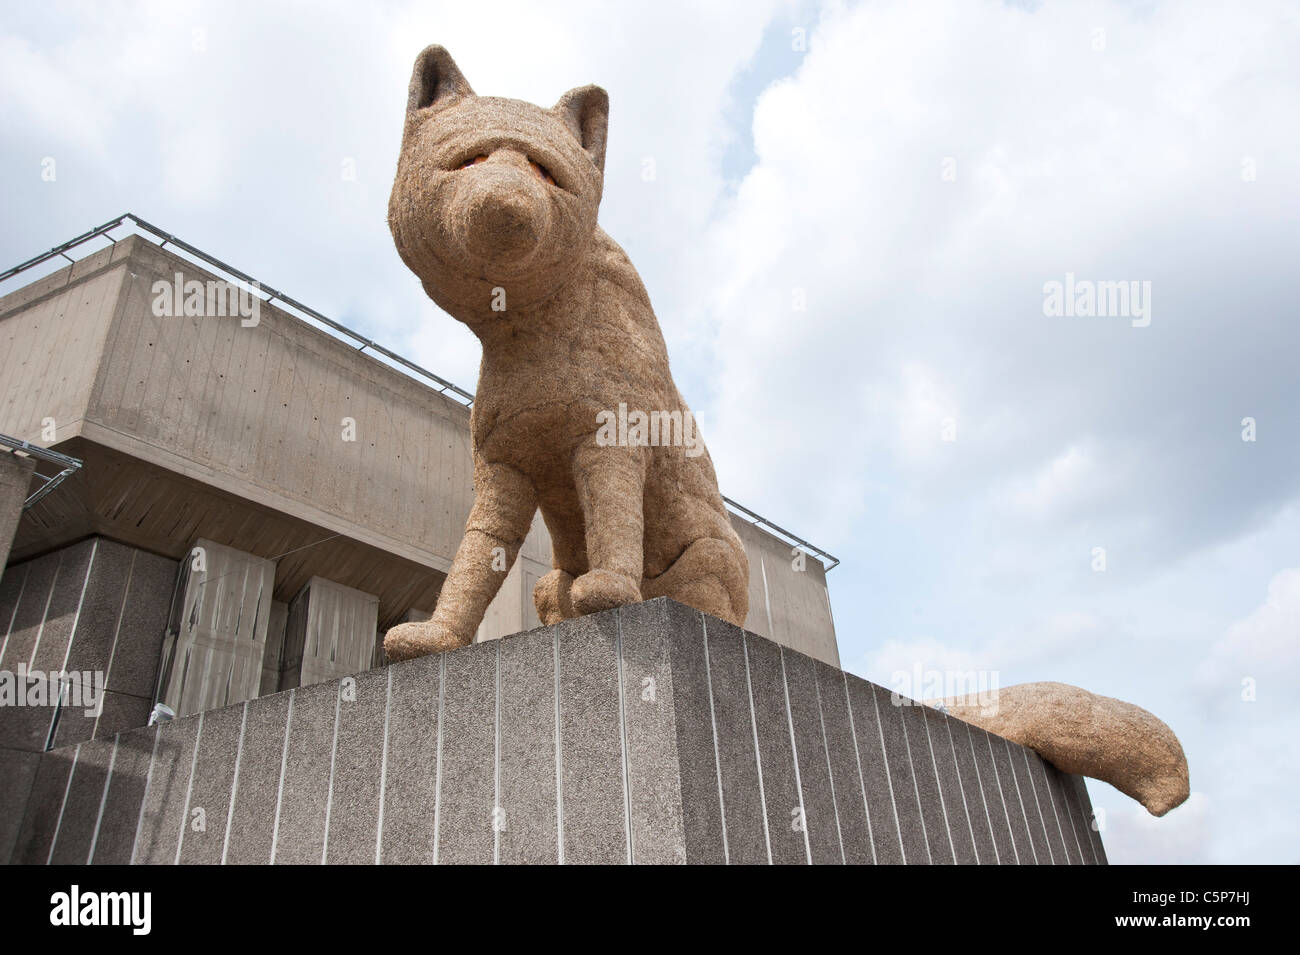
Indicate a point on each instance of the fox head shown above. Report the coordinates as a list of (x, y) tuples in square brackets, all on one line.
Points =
[(494, 194)]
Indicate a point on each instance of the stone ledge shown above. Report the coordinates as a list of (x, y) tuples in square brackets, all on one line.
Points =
[(649, 734)]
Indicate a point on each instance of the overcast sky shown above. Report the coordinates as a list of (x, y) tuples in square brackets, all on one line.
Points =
[(845, 216)]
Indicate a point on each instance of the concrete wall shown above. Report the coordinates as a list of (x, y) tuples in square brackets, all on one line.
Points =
[(273, 658), (52, 335), (255, 411), (219, 629), (788, 598), (142, 505), (95, 606), (330, 633), (650, 734)]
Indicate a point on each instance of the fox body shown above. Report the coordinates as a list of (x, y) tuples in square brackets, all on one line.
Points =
[(494, 209)]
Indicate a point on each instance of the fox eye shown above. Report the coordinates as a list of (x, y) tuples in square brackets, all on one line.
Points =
[(473, 162), (541, 171)]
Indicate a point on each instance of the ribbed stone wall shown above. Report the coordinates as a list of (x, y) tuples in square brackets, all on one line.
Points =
[(647, 734)]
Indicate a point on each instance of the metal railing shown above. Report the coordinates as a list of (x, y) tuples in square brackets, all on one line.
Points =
[(272, 295), (762, 521), (442, 385), (68, 464)]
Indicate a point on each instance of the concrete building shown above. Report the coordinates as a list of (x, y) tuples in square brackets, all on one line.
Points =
[(258, 500)]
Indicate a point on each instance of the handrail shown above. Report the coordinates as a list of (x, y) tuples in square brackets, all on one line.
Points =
[(274, 294), (70, 465), (761, 520)]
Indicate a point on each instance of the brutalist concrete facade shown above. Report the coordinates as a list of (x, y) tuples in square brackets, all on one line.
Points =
[(650, 734)]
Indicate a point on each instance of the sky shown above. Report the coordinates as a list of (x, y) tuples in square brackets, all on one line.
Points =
[(848, 217)]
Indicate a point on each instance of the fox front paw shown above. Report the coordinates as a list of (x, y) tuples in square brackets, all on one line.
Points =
[(599, 590), (407, 641), (552, 597)]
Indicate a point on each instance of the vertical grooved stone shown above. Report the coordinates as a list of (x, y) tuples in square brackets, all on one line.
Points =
[(204, 833), (468, 769), (855, 831), (121, 713), (61, 615), (1012, 797), (529, 831), (81, 811), (412, 768), (1078, 824), (17, 773), (11, 587), (742, 798), (257, 781), (701, 813), (122, 802), (138, 648), (979, 806), (950, 788), (301, 838), (164, 803), (354, 798), (92, 644), (1085, 810), (810, 750), (654, 787), (36, 834), (30, 613), (595, 810), (76, 722), (1043, 797), (1037, 834), (994, 799), (1064, 816), (911, 821), (912, 715), (780, 785), (875, 772), (650, 733), (27, 726)]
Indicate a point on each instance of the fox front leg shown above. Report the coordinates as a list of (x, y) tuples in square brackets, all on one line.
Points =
[(504, 504), (610, 482)]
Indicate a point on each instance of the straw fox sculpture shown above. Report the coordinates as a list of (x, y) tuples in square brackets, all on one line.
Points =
[(494, 209)]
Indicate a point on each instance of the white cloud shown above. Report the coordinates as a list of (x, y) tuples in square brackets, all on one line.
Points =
[(1263, 648), (1132, 836)]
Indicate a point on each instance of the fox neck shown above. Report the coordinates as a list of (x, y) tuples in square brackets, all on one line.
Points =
[(557, 313)]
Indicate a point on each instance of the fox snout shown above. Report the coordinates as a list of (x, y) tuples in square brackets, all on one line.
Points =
[(495, 195), (501, 211)]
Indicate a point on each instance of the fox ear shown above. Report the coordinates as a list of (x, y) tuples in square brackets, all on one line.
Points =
[(435, 80), (586, 112)]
